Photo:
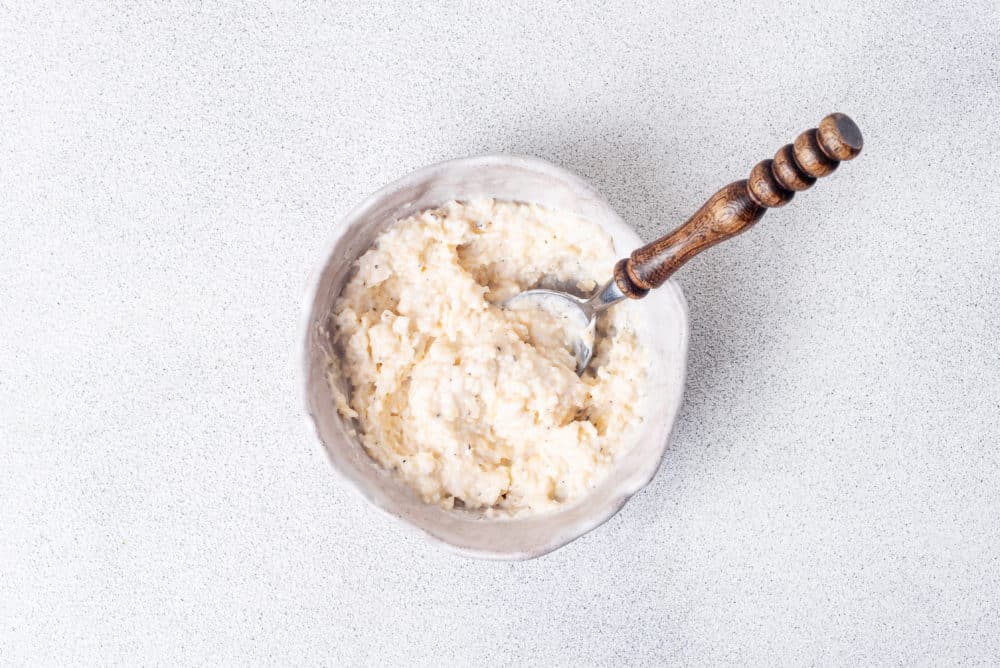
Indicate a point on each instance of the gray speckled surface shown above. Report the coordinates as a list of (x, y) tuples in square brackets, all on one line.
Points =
[(168, 178)]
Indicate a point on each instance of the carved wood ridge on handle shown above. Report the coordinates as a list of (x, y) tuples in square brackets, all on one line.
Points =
[(772, 183)]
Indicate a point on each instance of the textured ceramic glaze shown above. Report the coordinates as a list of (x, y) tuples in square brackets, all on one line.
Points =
[(661, 323)]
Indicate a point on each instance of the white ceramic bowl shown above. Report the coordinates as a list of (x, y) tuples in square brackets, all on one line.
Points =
[(660, 319)]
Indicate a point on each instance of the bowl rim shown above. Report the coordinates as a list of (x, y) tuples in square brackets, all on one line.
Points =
[(583, 525)]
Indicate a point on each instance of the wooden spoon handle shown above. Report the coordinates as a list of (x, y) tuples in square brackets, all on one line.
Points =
[(772, 183)]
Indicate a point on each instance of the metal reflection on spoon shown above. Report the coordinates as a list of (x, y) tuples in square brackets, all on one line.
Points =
[(577, 314)]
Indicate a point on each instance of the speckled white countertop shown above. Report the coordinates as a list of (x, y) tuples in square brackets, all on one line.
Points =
[(168, 178)]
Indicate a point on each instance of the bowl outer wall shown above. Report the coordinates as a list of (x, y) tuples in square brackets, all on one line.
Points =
[(660, 320)]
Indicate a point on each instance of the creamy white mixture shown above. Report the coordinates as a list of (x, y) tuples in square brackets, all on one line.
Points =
[(466, 402)]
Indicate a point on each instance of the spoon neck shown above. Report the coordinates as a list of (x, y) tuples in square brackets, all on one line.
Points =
[(609, 295)]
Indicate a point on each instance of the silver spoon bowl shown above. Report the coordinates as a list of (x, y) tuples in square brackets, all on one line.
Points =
[(578, 314)]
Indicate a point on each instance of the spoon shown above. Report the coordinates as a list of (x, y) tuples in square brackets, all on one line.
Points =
[(772, 183)]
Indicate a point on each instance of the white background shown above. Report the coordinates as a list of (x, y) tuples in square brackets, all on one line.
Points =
[(170, 175)]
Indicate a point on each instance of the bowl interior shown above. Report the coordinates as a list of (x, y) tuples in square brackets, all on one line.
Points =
[(660, 320)]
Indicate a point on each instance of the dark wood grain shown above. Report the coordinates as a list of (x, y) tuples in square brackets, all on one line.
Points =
[(839, 138), (789, 174), (764, 187), (772, 183), (725, 214), (810, 158)]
